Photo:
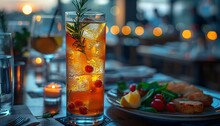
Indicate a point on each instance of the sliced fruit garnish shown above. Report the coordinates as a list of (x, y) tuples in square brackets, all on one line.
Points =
[(131, 100)]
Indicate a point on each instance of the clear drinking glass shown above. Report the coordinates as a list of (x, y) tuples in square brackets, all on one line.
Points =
[(46, 37), (85, 68), (6, 74)]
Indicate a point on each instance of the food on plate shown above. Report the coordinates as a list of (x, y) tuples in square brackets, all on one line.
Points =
[(199, 96), (164, 97), (187, 106), (131, 100), (190, 92)]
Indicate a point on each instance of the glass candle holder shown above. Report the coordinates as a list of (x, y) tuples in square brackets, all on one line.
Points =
[(52, 93)]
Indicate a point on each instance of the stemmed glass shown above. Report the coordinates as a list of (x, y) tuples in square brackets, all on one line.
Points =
[(46, 37)]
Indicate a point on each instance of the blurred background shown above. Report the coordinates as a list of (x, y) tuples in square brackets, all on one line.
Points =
[(178, 38)]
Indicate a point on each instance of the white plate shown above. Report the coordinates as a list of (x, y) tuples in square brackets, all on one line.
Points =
[(212, 112)]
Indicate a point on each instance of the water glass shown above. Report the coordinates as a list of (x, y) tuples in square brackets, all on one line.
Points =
[(85, 68), (6, 74)]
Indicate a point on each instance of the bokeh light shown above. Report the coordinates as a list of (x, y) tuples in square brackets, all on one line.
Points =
[(212, 35), (59, 26), (126, 30), (38, 60), (115, 10), (101, 2), (139, 30), (115, 30), (38, 18), (157, 31), (107, 29), (27, 9), (187, 34)]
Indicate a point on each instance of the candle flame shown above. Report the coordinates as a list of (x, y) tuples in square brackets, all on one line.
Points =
[(53, 86)]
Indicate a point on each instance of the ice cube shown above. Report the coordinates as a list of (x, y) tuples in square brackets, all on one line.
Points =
[(93, 30), (95, 49), (76, 63), (79, 83), (98, 65)]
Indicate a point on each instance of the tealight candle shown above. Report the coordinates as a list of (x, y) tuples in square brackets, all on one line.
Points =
[(52, 90), (38, 61)]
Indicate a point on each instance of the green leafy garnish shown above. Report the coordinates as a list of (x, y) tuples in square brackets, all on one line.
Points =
[(122, 86), (76, 30), (49, 115), (169, 95)]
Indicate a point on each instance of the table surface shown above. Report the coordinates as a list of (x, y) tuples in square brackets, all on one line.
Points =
[(115, 116)]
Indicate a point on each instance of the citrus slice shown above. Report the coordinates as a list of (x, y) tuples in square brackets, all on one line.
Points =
[(131, 100)]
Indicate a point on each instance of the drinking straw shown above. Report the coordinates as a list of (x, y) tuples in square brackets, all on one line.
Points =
[(53, 20)]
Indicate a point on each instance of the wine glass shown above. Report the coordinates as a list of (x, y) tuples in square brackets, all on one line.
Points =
[(46, 37)]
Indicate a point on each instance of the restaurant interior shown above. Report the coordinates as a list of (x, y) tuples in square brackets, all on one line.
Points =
[(146, 40)]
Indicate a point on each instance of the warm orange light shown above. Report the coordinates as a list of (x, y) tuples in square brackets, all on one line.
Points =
[(38, 60), (212, 35), (139, 30), (157, 31), (187, 34), (126, 30), (27, 9), (115, 30), (107, 29), (38, 18)]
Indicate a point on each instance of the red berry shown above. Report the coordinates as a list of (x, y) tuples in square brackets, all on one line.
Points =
[(71, 106), (170, 107), (158, 104), (132, 87), (83, 110), (89, 68), (98, 83), (125, 93), (159, 96), (78, 103)]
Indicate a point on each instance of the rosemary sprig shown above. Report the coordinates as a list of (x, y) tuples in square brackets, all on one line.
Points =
[(76, 30)]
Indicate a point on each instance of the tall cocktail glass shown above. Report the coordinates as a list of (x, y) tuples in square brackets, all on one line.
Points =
[(85, 67)]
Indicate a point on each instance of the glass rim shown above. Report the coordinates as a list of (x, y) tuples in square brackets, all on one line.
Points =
[(46, 16), (86, 13)]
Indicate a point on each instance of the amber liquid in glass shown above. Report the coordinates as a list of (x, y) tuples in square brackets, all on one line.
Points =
[(46, 45), (85, 70)]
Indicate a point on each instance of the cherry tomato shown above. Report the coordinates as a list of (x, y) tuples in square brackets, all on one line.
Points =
[(159, 96), (132, 87), (98, 83), (83, 110), (89, 68), (142, 92), (170, 107), (158, 104), (71, 106)]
